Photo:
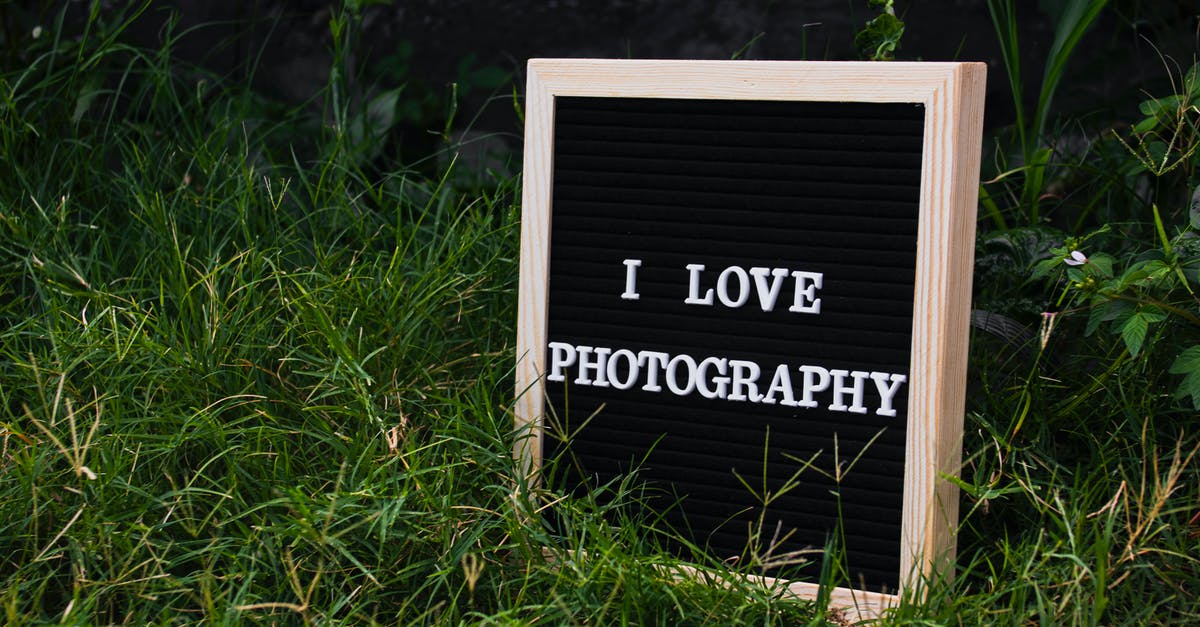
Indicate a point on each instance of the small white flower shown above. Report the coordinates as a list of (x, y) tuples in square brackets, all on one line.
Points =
[(1077, 259), (37, 32)]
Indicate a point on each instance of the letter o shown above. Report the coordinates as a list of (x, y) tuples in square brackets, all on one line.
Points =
[(672, 384), (743, 286), (634, 369)]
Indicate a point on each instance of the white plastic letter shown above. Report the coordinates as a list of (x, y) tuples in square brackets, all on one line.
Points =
[(655, 361), (810, 386), (743, 287), (613, 372), (631, 293), (693, 298), (600, 365), (840, 389), (781, 383), (807, 293), (745, 375), (673, 383), (887, 392), (562, 355), (722, 382), (768, 294)]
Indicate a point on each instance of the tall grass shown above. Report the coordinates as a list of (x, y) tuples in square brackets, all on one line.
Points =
[(1033, 155), (248, 375)]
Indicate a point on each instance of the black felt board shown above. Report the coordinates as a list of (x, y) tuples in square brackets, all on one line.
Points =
[(822, 187)]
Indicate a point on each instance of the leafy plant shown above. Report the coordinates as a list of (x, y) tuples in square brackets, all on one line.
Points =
[(1148, 286), (1168, 137), (880, 37)]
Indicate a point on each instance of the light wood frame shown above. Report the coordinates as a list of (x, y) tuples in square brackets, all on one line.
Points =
[(952, 95)]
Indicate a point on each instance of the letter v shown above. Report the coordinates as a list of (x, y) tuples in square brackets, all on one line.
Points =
[(767, 295)]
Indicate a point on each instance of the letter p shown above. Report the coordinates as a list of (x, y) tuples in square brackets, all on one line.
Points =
[(562, 356)]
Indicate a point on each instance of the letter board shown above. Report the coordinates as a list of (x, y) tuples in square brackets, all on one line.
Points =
[(726, 263)]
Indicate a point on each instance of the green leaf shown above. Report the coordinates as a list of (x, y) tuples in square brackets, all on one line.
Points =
[(1152, 314), (87, 95), (1144, 273), (1101, 264), (1099, 314), (1132, 275), (1188, 364), (381, 112), (1145, 126), (1035, 172), (1159, 107), (880, 39), (1156, 270), (1188, 361), (1119, 310), (1045, 267), (1134, 330), (1156, 153), (1162, 231), (1134, 333), (1191, 83)]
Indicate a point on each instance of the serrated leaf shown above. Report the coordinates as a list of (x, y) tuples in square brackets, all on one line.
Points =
[(1097, 316), (1157, 269), (1152, 315), (1187, 361), (1119, 311), (1132, 275), (1102, 264), (1133, 332), (1188, 364), (1044, 267), (1145, 272), (1190, 386)]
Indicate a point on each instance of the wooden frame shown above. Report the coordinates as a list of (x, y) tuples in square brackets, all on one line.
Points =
[(952, 95)]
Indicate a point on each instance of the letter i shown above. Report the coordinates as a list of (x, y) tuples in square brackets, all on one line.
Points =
[(631, 266)]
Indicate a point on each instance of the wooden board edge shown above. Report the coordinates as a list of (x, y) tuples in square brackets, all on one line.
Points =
[(964, 201), (946, 247), (857, 81), (533, 282), (857, 606)]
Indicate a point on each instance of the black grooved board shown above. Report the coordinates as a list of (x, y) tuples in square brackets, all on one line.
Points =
[(820, 187)]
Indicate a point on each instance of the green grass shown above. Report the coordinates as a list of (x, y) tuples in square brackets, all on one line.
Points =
[(246, 375), (250, 372)]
